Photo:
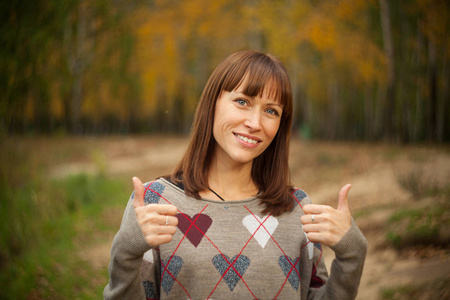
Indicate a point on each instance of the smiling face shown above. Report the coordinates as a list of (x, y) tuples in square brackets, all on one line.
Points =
[(244, 126)]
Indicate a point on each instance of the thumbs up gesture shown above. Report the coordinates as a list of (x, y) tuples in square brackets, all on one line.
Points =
[(157, 221), (326, 225)]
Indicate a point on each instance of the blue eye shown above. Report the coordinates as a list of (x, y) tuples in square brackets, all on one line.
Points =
[(272, 111), (241, 101)]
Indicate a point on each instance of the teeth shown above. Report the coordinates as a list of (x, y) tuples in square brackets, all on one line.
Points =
[(247, 140)]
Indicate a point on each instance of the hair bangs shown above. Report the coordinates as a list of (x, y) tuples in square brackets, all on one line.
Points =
[(260, 77)]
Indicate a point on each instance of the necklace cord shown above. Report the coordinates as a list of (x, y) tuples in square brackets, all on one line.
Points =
[(215, 193), (259, 191)]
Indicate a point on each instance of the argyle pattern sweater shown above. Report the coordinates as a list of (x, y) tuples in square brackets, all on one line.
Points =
[(229, 250)]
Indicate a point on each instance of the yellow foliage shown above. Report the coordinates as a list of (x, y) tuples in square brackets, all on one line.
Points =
[(170, 37), (322, 34), (349, 9)]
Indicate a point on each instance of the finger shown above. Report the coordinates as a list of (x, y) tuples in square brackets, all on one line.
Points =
[(138, 192), (315, 208), (169, 229), (316, 237), (156, 240), (310, 219), (343, 200), (166, 220), (173, 221), (313, 218), (314, 227), (164, 209), (323, 238)]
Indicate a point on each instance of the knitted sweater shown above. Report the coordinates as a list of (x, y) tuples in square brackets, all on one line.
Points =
[(229, 250)]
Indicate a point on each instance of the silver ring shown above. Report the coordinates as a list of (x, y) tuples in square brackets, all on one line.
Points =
[(312, 218), (167, 221)]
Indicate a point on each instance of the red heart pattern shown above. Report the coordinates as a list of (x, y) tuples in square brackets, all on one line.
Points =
[(194, 228)]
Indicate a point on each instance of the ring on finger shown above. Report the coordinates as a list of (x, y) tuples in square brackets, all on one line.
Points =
[(312, 218), (167, 221)]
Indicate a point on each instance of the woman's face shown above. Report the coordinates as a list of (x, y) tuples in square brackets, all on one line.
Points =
[(244, 126)]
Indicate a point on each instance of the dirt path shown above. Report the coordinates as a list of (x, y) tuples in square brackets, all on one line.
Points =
[(375, 188)]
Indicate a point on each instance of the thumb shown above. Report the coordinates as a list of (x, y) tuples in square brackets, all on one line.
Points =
[(138, 192), (342, 200)]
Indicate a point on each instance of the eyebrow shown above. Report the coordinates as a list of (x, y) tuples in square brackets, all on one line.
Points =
[(275, 103), (270, 103)]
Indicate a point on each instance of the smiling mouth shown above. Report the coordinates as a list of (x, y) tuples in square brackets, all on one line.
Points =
[(246, 139)]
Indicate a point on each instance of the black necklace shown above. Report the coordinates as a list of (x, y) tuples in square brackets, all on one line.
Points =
[(259, 191), (215, 193)]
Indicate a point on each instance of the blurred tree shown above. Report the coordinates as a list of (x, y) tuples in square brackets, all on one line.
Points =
[(389, 98), (48, 56), (26, 34), (360, 69)]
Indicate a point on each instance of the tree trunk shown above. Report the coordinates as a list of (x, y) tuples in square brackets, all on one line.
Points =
[(254, 34), (417, 124), (444, 119), (334, 121), (389, 99), (369, 113), (77, 59), (432, 103)]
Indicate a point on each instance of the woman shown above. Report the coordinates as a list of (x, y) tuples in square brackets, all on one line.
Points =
[(227, 224)]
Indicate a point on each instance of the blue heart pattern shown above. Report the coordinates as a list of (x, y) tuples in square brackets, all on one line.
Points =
[(299, 194), (151, 192), (222, 264), (293, 266), (171, 272)]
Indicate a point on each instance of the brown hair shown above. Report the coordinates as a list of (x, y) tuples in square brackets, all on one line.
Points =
[(270, 170)]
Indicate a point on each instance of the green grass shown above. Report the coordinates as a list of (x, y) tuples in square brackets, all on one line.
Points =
[(420, 226), (367, 211), (45, 222), (434, 290), (43, 227)]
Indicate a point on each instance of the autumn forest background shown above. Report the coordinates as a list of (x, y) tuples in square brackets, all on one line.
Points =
[(94, 92), (361, 70)]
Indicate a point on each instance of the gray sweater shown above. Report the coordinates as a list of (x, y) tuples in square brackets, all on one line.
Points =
[(229, 250)]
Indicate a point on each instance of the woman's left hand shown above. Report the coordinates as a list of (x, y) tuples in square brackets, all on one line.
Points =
[(326, 225)]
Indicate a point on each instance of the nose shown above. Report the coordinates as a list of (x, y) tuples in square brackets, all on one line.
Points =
[(253, 120)]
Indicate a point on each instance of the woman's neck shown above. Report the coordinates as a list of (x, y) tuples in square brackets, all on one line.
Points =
[(230, 181)]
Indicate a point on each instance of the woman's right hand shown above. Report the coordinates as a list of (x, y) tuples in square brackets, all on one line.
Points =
[(157, 221)]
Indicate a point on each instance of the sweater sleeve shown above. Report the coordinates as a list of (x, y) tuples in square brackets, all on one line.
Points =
[(346, 268), (127, 252)]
